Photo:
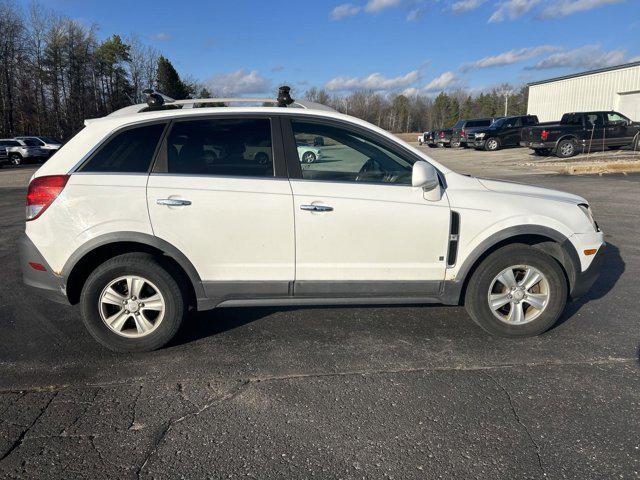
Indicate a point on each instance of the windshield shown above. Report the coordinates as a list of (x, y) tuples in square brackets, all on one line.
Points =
[(50, 140), (498, 123)]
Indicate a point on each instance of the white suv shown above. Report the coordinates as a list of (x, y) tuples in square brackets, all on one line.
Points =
[(151, 211)]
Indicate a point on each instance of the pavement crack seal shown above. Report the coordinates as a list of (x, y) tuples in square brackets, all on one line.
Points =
[(482, 368), (169, 425), (516, 416), (22, 435)]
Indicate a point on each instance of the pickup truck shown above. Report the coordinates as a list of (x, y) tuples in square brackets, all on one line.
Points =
[(428, 138), (460, 135), (504, 132), (582, 132), (443, 136)]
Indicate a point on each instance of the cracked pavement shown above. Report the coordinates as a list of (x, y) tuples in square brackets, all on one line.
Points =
[(363, 392)]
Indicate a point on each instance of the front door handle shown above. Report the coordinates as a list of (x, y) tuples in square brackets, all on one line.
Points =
[(316, 208), (173, 202)]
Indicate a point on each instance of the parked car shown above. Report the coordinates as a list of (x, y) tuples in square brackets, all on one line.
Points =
[(4, 157), (582, 132), (459, 135), (132, 222), (24, 151), (428, 138), (504, 132), (51, 145)]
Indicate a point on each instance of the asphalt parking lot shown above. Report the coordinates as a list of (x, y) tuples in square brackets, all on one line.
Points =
[(364, 392)]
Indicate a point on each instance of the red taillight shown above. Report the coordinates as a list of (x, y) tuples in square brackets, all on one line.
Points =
[(544, 135), (37, 266), (462, 133), (441, 134), (42, 192)]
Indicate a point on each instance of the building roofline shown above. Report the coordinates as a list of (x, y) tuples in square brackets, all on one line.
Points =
[(582, 74)]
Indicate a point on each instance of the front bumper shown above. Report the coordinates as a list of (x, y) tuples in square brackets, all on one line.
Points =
[(478, 143), (585, 280), (44, 282)]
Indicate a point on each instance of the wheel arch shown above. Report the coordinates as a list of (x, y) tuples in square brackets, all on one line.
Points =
[(567, 136), (82, 262), (550, 241)]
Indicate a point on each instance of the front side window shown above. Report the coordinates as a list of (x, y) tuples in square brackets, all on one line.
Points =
[(616, 118), (224, 147), (594, 120), (130, 151), (334, 153)]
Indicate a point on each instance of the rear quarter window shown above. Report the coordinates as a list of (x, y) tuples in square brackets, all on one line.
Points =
[(130, 151)]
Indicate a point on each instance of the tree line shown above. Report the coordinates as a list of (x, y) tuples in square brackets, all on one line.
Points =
[(418, 113), (57, 73)]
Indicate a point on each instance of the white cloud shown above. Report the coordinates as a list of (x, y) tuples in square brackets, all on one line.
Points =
[(512, 9), (160, 37), (416, 14), (239, 82), (564, 8), (462, 6), (374, 6), (508, 58), (375, 81), (587, 57), (344, 10), (444, 81)]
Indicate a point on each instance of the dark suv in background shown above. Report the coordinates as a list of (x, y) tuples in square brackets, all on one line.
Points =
[(504, 132), (461, 133)]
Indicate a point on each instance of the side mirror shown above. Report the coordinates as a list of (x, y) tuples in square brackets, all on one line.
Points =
[(424, 175)]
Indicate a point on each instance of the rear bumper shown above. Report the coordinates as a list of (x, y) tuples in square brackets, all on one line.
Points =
[(537, 145), (43, 282), (585, 280)]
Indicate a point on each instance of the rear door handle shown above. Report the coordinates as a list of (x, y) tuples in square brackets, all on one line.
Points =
[(316, 208), (173, 202)]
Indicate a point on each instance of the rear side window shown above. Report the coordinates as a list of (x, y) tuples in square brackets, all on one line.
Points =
[(221, 147), (478, 123), (130, 151)]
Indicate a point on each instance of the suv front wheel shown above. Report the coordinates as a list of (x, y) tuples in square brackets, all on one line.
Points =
[(131, 303), (517, 291)]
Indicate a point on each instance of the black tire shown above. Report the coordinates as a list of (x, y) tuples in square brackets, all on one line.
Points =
[(15, 159), (262, 158), (492, 144), (542, 152), (146, 266), (566, 148), (432, 145), (478, 290), (308, 157)]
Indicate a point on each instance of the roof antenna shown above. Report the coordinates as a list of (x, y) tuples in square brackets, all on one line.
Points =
[(284, 98)]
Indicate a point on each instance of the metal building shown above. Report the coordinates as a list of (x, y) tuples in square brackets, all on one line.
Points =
[(614, 88)]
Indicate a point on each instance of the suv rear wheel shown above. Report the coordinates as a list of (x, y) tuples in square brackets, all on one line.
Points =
[(517, 291), (455, 143), (131, 303)]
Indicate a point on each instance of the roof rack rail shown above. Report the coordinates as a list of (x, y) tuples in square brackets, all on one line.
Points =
[(157, 101)]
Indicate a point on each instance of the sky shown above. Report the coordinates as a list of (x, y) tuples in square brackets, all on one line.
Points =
[(249, 47)]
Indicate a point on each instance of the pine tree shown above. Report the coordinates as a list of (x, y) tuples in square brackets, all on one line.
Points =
[(168, 80)]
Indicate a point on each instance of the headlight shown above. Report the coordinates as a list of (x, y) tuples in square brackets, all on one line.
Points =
[(587, 211), (480, 135)]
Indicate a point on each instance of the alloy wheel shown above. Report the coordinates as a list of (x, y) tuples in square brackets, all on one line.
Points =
[(131, 306), (518, 294)]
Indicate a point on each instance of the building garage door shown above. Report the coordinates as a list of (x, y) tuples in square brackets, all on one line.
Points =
[(629, 105)]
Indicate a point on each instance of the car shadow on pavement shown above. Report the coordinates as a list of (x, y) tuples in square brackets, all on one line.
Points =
[(613, 267)]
